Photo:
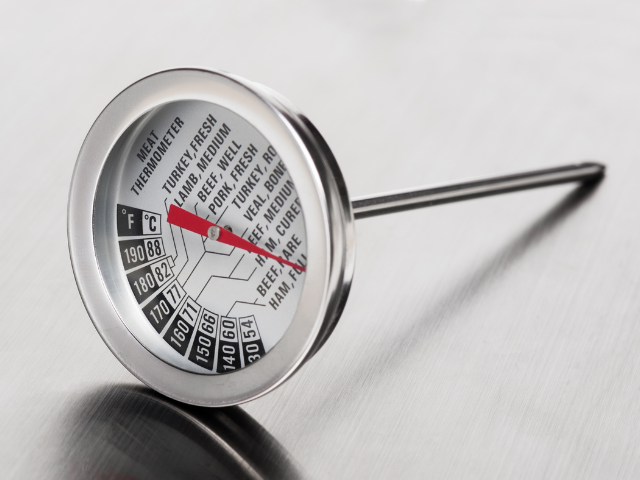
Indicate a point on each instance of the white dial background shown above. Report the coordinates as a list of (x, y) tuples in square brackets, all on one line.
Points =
[(211, 162)]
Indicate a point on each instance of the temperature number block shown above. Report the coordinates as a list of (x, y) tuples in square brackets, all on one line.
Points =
[(181, 330), (162, 307), (174, 293), (147, 280), (134, 222), (252, 347), (228, 345), (204, 345), (138, 252)]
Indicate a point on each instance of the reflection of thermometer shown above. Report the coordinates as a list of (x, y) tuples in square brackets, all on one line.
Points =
[(211, 233)]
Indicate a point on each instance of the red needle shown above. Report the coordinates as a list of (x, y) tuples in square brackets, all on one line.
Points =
[(187, 220)]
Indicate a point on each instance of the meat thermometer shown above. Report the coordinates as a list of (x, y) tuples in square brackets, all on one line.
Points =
[(212, 236)]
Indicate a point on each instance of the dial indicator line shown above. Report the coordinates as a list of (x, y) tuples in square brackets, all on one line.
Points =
[(234, 268), (245, 303), (222, 214), (186, 252), (194, 268), (254, 271), (189, 221), (175, 247), (204, 288), (225, 278), (220, 253)]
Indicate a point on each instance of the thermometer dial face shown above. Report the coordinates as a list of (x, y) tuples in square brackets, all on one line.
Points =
[(202, 305), (211, 235)]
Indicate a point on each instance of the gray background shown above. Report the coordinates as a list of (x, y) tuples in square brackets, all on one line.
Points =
[(497, 338)]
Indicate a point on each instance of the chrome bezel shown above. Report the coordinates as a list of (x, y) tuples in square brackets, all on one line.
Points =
[(328, 222)]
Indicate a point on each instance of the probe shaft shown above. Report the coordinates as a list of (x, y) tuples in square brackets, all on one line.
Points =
[(374, 205)]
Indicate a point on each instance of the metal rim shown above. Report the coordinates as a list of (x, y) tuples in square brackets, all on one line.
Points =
[(328, 221)]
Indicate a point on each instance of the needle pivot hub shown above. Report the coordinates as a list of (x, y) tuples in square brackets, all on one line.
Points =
[(213, 233)]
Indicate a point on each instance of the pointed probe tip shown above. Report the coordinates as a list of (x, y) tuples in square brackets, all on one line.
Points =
[(598, 170)]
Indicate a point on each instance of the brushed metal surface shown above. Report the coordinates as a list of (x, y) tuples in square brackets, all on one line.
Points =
[(496, 338)]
